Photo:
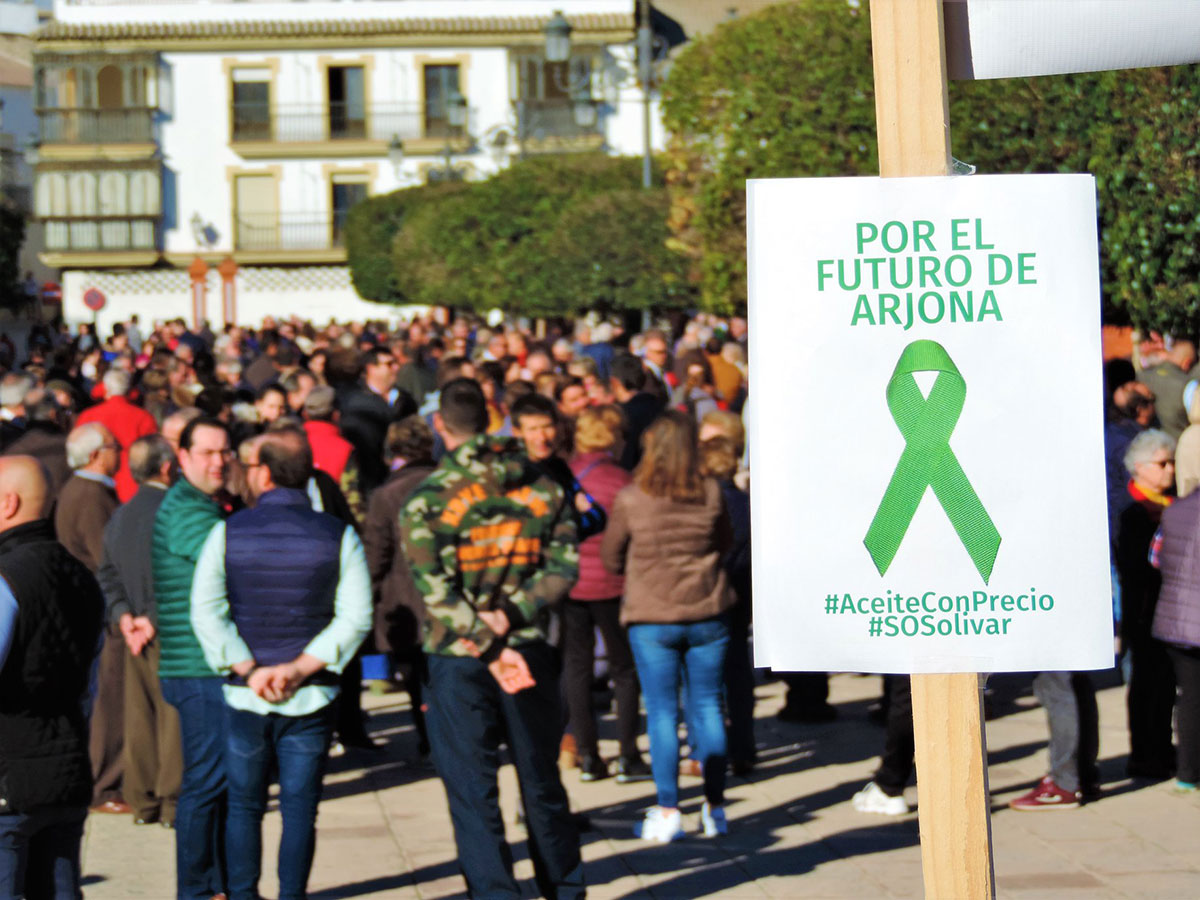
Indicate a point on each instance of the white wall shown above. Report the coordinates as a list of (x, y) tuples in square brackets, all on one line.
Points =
[(117, 12), (195, 132), (318, 294), (18, 18)]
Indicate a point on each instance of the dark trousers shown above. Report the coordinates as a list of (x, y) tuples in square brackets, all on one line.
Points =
[(580, 619), (899, 747), (106, 730), (153, 746), (739, 686), (807, 691), (200, 811), (351, 723), (411, 666), (299, 747), (1151, 701), (1186, 661), (469, 717), (1069, 699), (39, 854)]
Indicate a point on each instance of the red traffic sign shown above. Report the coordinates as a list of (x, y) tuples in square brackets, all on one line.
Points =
[(94, 299), (51, 292)]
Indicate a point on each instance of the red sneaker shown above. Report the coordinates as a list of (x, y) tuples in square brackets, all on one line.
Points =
[(1047, 795)]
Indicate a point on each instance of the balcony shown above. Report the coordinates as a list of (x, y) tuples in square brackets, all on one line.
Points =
[(96, 126), (283, 236), (100, 240), (330, 122), (550, 126), (335, 129)]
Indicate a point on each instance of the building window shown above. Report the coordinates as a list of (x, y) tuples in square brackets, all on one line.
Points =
[(108, 88), (347, 102), (441, 82), (108, 209), (252, 104), (540, 82), (345, 192), (256, 210)]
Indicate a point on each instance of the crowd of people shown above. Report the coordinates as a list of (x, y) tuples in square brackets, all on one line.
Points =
[(202, 536)]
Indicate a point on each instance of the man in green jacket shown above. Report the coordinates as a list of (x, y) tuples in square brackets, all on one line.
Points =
[(492, 542), (183, 522)]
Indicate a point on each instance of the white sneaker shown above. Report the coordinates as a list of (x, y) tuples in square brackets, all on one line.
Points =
[(659, 826), (872, 799), (713, 821)]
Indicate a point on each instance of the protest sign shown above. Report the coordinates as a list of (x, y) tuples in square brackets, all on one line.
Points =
[(1018, 38), (929, 485)]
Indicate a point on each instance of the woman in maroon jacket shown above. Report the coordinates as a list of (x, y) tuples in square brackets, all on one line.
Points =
[(595, 602)]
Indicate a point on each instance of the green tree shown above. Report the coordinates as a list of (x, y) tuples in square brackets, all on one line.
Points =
[(547, 236), (371, 227), (788, 92)]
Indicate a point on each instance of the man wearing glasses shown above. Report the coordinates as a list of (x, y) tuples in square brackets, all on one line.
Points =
[(187, 515), (367, 409)]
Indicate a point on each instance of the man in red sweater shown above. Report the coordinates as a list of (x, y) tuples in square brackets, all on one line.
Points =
[(125, 421), (332, 453)]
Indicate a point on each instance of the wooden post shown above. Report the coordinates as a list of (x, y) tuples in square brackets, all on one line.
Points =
[(913, 126)]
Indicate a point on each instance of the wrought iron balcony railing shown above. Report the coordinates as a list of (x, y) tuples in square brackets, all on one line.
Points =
[(540, 120), (96, 126), (334, 122), (270, 232), (92, 233)]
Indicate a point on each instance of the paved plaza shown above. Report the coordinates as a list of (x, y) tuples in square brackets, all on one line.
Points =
[(384, 831)]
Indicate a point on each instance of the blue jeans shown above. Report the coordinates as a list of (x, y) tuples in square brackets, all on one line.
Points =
[(299, 747), (469, 716), (200, 812), (663, 654), (39, 853)]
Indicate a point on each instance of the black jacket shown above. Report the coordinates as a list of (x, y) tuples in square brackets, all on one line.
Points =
[(640, 410), (43, 733), (365, 417)]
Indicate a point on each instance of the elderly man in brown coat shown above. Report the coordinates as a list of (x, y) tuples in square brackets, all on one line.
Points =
[(399, 606), (85, 504)]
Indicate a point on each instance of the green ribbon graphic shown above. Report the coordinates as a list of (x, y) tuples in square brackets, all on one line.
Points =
[(927, 460)]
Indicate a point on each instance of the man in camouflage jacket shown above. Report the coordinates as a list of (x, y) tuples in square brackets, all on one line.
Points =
[(492, 542)]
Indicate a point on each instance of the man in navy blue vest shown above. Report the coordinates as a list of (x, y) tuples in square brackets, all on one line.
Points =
[(281, 600)]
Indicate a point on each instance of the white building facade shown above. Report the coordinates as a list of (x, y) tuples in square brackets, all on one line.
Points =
[(198, 159)]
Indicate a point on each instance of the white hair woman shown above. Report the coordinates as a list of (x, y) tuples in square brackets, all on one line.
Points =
[(1150, 461)]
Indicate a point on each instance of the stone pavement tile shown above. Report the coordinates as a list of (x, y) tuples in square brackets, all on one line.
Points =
[(844, 886), (1085, 824), (1060, 879), (120, 859), (1122, 856), (1167, 884), (1042, 893), (725, 879)]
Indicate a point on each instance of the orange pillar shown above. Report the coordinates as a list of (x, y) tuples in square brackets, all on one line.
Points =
[(198, 271), (228, 269)]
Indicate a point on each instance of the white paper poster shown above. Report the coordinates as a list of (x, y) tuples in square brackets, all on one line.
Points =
[(1013, 38), (926, 429)]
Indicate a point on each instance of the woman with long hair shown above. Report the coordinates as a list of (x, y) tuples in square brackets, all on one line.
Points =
[(667, 532)]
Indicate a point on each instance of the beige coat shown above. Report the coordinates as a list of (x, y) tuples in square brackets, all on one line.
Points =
[(670, 554)]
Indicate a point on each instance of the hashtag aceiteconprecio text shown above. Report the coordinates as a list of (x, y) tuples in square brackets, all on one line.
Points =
[(933, 613)]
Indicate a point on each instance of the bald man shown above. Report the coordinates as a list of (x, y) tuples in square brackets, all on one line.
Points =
[(51, 607), (280, 601), (1167, 380)]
